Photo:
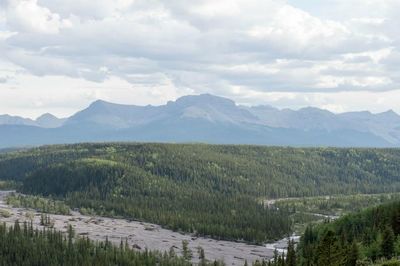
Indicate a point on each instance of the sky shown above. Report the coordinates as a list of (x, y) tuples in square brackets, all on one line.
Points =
[(58, 56)]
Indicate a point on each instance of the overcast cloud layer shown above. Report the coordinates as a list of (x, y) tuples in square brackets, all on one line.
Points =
[(59, 55)]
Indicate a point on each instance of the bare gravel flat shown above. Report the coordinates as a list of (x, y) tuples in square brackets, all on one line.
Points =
[(145, 235)]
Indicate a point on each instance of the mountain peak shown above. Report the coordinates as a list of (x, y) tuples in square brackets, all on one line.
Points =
[(99, 103), (390, 112), (46, 116), (203, 99), (48, 120), (311, 109), (15, 120), (100, 106)]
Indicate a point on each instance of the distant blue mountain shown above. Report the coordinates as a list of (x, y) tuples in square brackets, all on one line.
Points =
[(45, 121), (205, 118)]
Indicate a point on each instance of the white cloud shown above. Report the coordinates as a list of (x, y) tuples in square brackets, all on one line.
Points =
[(229, 47), (28, 16), (297, 31), (3, 79), (87, 9), (369, 21)]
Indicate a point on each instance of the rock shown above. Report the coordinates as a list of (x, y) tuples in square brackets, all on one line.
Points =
[(136, 246)]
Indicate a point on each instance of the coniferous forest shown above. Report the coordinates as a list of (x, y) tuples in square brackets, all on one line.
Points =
[(369, 237), (214, 190)]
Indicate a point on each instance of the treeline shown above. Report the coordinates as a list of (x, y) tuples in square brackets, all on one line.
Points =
[(370, 237), (24, 245), (8, 185), (337, 205), (38, 203)]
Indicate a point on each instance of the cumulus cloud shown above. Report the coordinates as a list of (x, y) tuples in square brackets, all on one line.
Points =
[(227, 47), (28, 16)]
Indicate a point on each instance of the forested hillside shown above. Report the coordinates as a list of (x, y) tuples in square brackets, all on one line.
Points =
[(215, 190), (256, 170), (371, 236)]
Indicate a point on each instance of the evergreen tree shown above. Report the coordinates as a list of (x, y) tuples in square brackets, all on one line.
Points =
[(202, 256), (352, 255), (291, 254), (328, 252), (387, 245), (186, 252)]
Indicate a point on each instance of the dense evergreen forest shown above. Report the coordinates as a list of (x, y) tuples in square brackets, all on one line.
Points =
[(25, 245), (215, 190), (369, 237)]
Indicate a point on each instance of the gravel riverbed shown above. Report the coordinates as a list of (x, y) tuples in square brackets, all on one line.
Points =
[(145, 235)]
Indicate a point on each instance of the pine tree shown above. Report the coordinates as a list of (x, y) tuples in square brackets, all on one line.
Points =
[(171, 252), (328, 252), (202, 256), (42, 219), (291, 254), (186, 252), (387, 245), (276, 256), (352, 255)]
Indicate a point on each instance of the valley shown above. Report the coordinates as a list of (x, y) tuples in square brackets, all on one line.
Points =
[(237, 203), (141, 236), (199, 133)]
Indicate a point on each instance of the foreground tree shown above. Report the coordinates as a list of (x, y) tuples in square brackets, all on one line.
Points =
[(387, 245)]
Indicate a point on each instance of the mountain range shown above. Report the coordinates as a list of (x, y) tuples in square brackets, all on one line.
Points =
[(205, 118)]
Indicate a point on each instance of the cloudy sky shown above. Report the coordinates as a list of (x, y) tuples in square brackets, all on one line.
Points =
[(59, 55)]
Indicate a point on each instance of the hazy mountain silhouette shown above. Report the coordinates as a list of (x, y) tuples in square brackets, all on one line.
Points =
[(205, 118)]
